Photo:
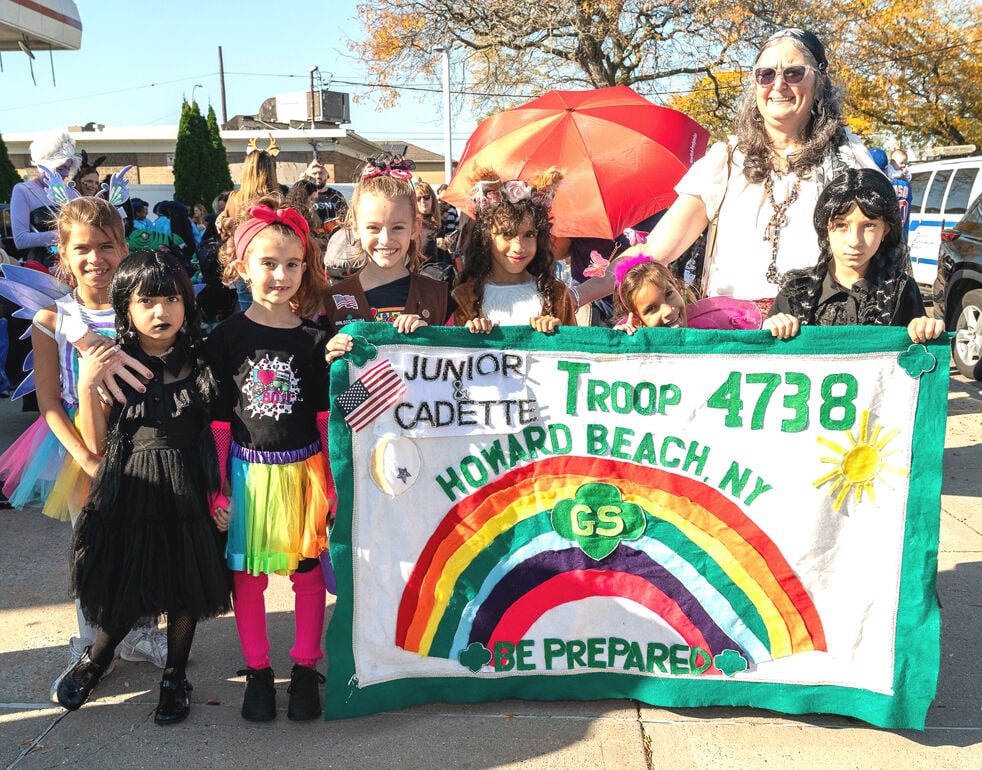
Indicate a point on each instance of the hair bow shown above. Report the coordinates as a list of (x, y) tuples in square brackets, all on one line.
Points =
[(263, 217), (387, 164)]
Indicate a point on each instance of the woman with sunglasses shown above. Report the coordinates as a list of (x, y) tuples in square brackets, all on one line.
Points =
[(759, 188), (32, 212)]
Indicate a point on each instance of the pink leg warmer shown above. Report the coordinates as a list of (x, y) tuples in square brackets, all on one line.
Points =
[(309, 605), (250, 617)]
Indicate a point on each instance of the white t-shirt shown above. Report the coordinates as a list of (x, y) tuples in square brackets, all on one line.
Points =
[(511, 304), (742, 256)]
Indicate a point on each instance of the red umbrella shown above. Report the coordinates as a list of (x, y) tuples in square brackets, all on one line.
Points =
[(622, 154)]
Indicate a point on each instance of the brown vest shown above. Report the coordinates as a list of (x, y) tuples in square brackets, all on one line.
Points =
[(346, 302)]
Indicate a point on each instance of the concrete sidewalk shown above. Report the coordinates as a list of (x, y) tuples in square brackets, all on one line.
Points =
[(116, 728)]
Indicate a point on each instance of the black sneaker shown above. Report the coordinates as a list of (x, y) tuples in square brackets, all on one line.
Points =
[(305, 698), (259, 703)]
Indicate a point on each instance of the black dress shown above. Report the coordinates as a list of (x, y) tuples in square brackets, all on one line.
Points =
[(145, 542)]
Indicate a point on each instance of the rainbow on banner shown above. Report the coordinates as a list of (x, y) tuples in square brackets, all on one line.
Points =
[(496, 564)]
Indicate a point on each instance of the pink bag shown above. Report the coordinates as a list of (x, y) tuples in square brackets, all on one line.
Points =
[(724, 313)]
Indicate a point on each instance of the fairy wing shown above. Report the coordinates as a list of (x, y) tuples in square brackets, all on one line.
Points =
[(31, 290)]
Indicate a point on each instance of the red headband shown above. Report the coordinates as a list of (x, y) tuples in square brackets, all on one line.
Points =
[(263, 217)]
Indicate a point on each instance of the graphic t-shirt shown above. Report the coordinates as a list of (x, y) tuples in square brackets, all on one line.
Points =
[(272, 382)]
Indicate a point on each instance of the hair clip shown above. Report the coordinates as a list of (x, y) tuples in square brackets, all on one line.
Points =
[(271, 149)]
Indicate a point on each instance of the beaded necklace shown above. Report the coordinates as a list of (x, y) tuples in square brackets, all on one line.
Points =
[(778, 220)]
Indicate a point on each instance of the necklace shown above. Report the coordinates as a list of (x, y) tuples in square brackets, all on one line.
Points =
[(779, 220)]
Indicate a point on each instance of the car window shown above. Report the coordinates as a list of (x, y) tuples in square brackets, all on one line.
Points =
[(960, 190), (935, 194), (918, 184), (974, 215)]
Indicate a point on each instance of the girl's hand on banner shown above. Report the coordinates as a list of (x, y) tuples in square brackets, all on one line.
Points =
[(925, 328), (480, 325), (544, 323), (337, 346), (407, 322), (782, 326)]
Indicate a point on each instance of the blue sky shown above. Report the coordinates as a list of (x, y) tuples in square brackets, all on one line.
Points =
[(138, 59)]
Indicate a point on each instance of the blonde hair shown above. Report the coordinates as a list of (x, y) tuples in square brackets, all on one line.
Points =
[(388, 188), (258, 179), (91, 212)]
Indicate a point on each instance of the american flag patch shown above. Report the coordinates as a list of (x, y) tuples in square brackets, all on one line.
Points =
[(345, 300), (370, 395)]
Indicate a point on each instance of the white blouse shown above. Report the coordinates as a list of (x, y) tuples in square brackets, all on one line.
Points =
[(738, 267), (511, 304)]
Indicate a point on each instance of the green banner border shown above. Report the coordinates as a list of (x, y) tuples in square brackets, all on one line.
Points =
[(917, 641)]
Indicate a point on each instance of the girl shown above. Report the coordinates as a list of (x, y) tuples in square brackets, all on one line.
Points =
[(386, 221), (648, 295), (271, 429), (508, 275), (860, 276), (51, 464), (145, 542)]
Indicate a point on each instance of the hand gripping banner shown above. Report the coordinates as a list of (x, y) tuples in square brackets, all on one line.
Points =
[(683, 517)]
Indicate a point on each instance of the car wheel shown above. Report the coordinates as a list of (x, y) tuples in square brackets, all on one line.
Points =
[(966, 348)]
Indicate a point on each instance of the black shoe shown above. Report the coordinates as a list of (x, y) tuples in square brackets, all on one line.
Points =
[(305, 698), (175, 704), (259, 703), (79, 680)]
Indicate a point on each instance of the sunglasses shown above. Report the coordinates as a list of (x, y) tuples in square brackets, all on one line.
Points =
[(766, 76), (425, 198)]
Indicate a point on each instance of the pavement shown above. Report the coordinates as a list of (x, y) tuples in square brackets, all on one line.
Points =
[(116, 729)]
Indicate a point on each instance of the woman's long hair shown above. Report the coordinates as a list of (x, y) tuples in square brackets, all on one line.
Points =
[(824, 132)]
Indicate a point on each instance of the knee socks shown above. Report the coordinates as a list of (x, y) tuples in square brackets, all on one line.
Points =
[(250, 618), (310, 598)]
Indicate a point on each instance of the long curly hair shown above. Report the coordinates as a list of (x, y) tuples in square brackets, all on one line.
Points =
[(506, 218), (874, 195), (823, 133)]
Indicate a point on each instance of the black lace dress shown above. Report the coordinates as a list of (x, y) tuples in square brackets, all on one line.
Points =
[(145, 542)]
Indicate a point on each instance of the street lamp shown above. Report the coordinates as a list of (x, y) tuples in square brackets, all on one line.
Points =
[(444, 52), (196, 85)]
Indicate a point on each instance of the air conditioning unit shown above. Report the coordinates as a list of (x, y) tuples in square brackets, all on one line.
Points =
[(330, 106)]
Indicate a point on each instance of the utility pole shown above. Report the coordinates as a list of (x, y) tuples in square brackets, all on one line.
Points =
[(221, 81), (444, 52)]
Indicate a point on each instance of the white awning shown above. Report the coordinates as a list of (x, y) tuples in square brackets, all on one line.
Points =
[(53, 24)]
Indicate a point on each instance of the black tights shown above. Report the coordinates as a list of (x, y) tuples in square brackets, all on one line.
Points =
[(180, 635)]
